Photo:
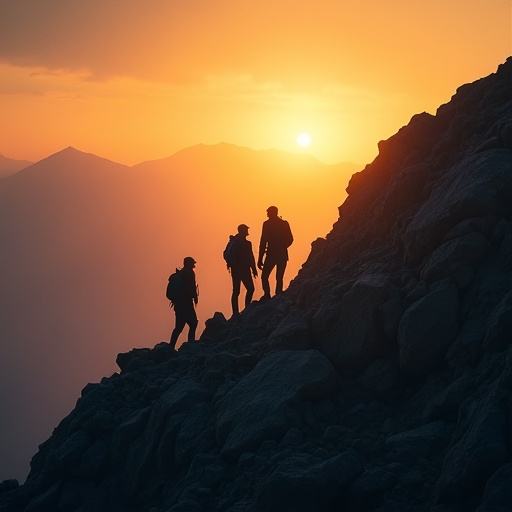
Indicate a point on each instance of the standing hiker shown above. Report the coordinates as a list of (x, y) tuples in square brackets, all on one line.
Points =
[(276, 237), (182, 292), (240, 261)]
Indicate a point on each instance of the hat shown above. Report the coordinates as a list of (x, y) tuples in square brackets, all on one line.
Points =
[(188, 261)]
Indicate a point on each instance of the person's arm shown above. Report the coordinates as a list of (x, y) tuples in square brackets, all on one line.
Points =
[(263, 246), (289, 236), (190, 286), (195, 297), (252, 260)]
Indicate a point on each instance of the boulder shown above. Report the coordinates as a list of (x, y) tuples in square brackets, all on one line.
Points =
[(302, 483), (422, 442), (477, 185), (260, 406), (358, 337), (456, 259), (499, 331), (497, 495), (480, 449), (427, 329)]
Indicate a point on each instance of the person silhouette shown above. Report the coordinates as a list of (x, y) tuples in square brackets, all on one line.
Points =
[(276, 237), (185, 301), (240, 261)]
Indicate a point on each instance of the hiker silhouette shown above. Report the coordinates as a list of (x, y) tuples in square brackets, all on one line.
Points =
[(184, 299), (276, 237), (242, 265)]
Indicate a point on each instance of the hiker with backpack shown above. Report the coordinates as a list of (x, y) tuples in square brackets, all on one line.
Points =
[(276, 237), (242, 265), (182, 292)]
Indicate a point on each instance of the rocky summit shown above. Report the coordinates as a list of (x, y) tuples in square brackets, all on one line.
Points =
[(381, 380)]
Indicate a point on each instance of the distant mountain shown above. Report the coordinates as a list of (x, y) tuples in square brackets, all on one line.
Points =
[(88, 244), (8, 166), (380, 380)]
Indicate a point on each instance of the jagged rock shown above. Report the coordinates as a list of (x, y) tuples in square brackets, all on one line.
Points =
[(301, 483), (499, 330), (497, 495), (427, 329), (69, 453), (215, 325), (153, 451), (292, 333), (457, 259), (382, 378), (46, 501), (474, 187), (369, 487), (260, 407), (481, 448), (419, 443), (445, 405), (358, 337), (8, 485)]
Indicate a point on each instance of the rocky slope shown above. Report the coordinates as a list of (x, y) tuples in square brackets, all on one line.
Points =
[(380, 381)]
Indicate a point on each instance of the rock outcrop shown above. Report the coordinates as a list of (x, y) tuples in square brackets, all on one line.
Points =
[(381, 380)]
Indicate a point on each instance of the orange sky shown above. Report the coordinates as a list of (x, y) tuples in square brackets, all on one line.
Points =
[(143, 81)]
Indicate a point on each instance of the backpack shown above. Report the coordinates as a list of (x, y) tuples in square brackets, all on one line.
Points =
[(230, 252), (174, 286), (287, 236)]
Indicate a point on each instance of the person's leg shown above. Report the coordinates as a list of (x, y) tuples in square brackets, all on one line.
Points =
[(180, 324), (236, 292), (268, 266), (249, 286), (281, 267), (192, 326)]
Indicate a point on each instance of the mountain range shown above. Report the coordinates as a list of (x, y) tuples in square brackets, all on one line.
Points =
[(9, 166), (88, 245)]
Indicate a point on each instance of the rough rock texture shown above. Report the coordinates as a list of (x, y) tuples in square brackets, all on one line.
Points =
[(380, 381)]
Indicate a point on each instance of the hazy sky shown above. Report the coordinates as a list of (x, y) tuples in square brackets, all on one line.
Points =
[(134, 81)]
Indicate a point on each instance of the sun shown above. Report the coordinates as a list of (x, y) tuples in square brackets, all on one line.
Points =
[(304, 139)]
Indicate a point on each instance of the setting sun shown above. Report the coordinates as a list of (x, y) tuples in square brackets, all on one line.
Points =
[(304, 140)]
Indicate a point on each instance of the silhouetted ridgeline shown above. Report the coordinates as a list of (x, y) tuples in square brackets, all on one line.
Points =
[(380, 381), (8, 166)]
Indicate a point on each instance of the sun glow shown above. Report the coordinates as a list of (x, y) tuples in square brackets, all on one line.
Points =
[(304, 140)]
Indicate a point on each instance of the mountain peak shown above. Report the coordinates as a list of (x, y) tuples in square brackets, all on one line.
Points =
[(72, 160)]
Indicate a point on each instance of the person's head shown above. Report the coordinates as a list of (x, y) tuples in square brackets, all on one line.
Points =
[(189, 262), (243, 230), (272, 211)]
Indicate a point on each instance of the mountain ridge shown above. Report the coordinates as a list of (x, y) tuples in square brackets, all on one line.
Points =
[(64, 155), (10, 166)]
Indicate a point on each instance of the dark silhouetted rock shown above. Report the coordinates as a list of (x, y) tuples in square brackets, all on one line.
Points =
[(481, 447), (260, 407), (427, 329)]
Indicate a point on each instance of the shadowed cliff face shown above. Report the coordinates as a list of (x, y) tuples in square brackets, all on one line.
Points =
[(380, 380)]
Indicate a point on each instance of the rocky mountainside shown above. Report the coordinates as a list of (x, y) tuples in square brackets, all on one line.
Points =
[(379, 381)]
